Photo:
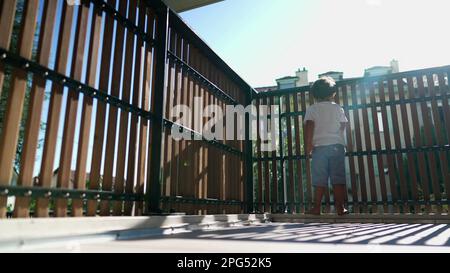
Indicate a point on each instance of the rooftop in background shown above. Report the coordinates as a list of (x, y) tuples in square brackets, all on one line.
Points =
[(185, 5), (301, 77)]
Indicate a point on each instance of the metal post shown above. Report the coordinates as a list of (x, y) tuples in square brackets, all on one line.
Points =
[(249, 158), (153, 180)]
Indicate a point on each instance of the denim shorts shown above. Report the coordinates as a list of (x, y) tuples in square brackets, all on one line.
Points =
[(328, 162)]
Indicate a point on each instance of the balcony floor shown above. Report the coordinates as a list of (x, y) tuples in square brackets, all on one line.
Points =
[(284, 238)]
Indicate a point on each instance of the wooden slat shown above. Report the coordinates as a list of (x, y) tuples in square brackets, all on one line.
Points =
[(201, 146), (443, 90), (148, 87), (290, 162), (217, 166), (223, 83), (178, 85), (362, 174), (183, 186), (428, 127), (52, 125), (298, 153), (274, 191), (189, 143), (100, 123), (399, 156), (387, 141), (196, 143), (64, 172), (85, 129), (108, 174), (130, 48), (170, 159), (33, 123), (368, 142), (206, 154), (16, 98), (133, 146), (418, 143), (308, 198), (259, 156), (266, 166), (440, 136), (377, 139), (7, 13), (351, 159), (407, 139)]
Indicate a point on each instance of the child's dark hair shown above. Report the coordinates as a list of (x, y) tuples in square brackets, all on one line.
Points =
[(323, 88)]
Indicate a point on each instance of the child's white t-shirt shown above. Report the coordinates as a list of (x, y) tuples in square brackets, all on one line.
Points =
[(327, 117)]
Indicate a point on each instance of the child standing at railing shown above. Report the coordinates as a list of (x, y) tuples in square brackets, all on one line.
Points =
[(325, 123)]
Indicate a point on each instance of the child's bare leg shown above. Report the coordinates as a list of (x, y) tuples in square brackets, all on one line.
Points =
[(318, 194), (339, 199)]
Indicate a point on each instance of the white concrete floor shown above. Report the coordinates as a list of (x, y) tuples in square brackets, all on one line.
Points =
[(279, 238)]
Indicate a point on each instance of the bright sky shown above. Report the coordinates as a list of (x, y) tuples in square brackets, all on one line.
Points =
[(263, 40)]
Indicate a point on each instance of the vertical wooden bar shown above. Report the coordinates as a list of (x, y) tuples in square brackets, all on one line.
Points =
[(148, 87), (99, 135), (123, 126), (418, 144), (266, 167), (440, 136), (206, 148), (249, 198), (350, 149), (291, 197), (399, 156), (189, 143), (226, 86), (196, 110), (183, 186), (259, 156), (368, 148), (83, 146), (8, 13), (380, 163), (169, 167), (362, 174), (443, 90), (52, 125), (274, 193), (64, 172), (407, 138), (176, 162), (21, 208), (308, 198), (138, 79), (387, 141), (108, 173), (298, 153), (16, 98), (428, 127)]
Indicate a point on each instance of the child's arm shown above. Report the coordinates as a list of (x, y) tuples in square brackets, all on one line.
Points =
[(343, 129), (309, 133)]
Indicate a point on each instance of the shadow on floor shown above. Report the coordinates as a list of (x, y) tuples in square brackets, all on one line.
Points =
[(320, 233)]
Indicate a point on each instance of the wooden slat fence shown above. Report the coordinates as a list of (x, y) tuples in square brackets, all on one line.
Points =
[(397, 145), (86, 95)]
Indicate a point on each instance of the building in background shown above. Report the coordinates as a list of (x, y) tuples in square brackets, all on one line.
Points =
[(301, 77), (336, 76), (382, 70)]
